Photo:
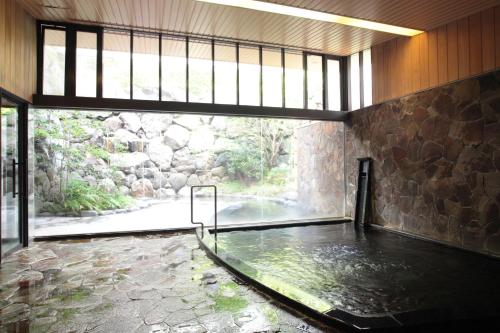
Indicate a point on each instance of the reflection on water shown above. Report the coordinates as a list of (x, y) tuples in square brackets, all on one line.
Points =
[(371, 272), (260, 210)]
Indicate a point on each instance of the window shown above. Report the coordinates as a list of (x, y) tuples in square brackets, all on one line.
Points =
[(294, 80), (225, 74), (200, 71), (333, 67), (354, 81), (173, 69), (116, 64), (315, 82), (367, 77), (86, 64), (146, 78), (54, 53), (249, 76), (272, 75)]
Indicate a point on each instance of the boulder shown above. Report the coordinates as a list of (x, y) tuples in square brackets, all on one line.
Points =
[(127, 160), (159, 180), (91, 180), (107, 184), (124, 190), (177, 181), (142, 188), (112, 124), (182, 157), (186, 169), (219, 123), (184, 192), (202, 139), (193, 180), (124, 136), (176, 137), (154, 125), (188, 121), (160, 153), (131, 121), (130, 179), (164, 193), (219, 172), (119, 177), (146, 172), (222, 144)]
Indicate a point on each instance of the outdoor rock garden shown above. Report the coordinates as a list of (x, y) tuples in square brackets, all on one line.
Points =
[(101, 161)]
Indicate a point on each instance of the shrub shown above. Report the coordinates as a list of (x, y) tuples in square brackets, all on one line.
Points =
[(244, 162), (79, 195), (277, 176)]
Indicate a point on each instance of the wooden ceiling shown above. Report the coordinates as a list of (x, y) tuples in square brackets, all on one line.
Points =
[(197, 18)]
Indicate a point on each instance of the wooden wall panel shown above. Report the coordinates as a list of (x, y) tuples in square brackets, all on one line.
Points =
[(452, 51), (17, 50), (475, 51), (457, 50), (463, 48), (488, 39)]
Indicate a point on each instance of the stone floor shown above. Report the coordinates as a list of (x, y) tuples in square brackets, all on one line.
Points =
[(158, 283)]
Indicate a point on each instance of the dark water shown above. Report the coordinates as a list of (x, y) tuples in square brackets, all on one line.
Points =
[(372, 272)]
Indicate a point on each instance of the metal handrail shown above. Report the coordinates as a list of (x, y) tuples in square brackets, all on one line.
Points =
[(215, 208)]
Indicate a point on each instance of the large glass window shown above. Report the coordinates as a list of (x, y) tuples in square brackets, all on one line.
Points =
[(367, 77), (146, 57), (54, 53), (225, 73), (333, 84), (173, 69), (354, 81), (200, 71), (249, 76), (138, 165), (294, 80), (116, 64), (272, 74), (86, 64), (314, 82)]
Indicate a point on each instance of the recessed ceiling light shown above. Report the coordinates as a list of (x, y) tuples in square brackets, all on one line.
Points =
[(315, 15)]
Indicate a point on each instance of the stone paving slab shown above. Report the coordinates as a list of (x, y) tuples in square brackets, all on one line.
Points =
[(156, 283)]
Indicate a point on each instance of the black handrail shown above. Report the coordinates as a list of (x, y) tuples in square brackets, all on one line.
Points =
[(215, 209)]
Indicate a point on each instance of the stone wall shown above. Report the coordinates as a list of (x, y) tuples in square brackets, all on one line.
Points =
[(147, 155), (436, 163), (320, 167)]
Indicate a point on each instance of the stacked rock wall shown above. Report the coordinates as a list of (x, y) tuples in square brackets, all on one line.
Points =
[(436, 163)]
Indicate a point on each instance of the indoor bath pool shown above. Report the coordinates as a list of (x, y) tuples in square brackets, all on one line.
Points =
[(368, 278)]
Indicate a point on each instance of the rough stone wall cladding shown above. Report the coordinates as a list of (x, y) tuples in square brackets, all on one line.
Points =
[(320, 167), (436, 162)]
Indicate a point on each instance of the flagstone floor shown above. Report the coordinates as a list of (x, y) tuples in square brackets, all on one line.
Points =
[(157, 283)]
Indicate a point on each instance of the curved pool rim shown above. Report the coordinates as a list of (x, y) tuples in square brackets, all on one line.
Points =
[(337, 318)]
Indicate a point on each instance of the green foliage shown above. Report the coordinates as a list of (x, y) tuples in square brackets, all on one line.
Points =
[(277, 176), (98, 152), (78, 196), (244, 162)]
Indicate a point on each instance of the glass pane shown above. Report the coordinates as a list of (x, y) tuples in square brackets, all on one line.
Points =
[(272, 74), (54, 53), (116, 65), (86, 64), (333, 84), (146, 67), (354, 84), (200, 72), (138, 165), (225, 74), (367, 77), (294, 80), (314, 82), (249, 76), (173, 69), (9, 177)]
